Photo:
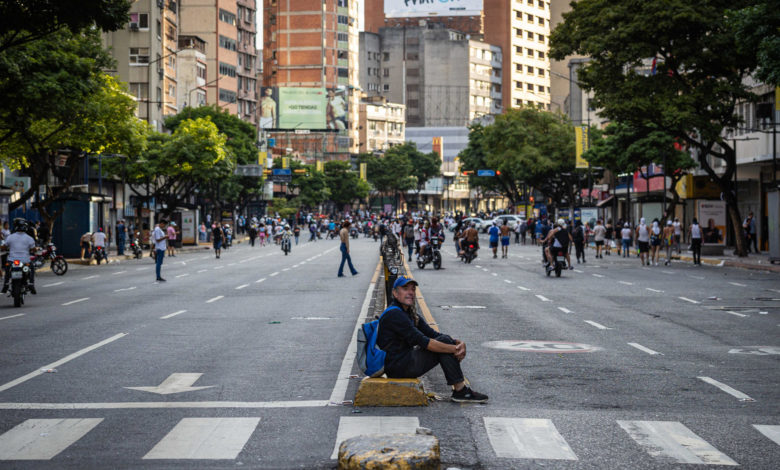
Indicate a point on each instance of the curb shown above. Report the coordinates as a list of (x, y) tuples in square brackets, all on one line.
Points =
[(419, 451)]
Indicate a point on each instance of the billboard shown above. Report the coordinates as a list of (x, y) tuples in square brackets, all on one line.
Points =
[(712, 219), (412, 8), (303, 108), (582, 146)]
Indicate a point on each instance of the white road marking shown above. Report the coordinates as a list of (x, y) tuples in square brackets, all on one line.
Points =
[(494, 274), (119, 272), (205, 438), (259, 280), (202, 270), (731, 391), (626, 283), (274, 274), (232, 264), (507, 281), (75, 301), (523, 288), (286, 269), (478, 266), (219, 267), (183, 275), (175, 383), (738, 284), (597, 275), (62, 361), (543, 298), (772, 431), (671, 441), (12, 316), (564, 310), (241, 286), (153, 405), (578, 271), (644, 349), (43, 439), (125, 289), (689, 300), (171, 315), (353, 426), (54, 284), (668, 272), (527, 438), (485, 269), (89, 277), (696, 277), (296, 265), (141, 268), (214, 299), (597, 325), (654, 290), (736, 314)]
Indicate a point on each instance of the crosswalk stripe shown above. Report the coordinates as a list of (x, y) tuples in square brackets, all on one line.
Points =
[(769, 430), (205, 438), (352, 426), (671, 441), (527, 438), (42, 439)]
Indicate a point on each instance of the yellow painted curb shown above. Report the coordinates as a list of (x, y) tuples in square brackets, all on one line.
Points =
[(391, 392), (390, 452), (426, 312)]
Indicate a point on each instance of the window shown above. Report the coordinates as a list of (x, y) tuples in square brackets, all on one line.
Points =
[(518, 15), (529, 69), (529, 18), (227, 17), (529, 52), (529, 86), (227, 43), (385, 56), (540, 54), (540, 71), (139, 90), (343, 55), (343, 73), (139, 55), (172, 61), (227, 96), (540, 88), (529, 35), (343, 19), (227, 69), (540, 37), (519, 67), (171, 91), (159, 30), (139, 20), (385, 72), (518, 50), (518, 32), (202, 71), (386, 87), (344, 37), (414, 104), (540, 20), (412, 56), (343, 3), (540, 4)]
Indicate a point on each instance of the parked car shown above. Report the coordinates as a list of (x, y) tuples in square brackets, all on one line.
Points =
[(480, 224), (513, 220)]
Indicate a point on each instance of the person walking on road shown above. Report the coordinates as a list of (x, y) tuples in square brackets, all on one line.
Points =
[(217, 236), (493, 232), (695, 233), (408, 233), (643, 241), (668, 241), (344, 236), (252, 233), (505, 231), (677, 234), (655, 242), (750, 232), (171, 231), (625, 239), (413, 348), (86, 245), (599, 235), (120, 237), (578, 237), (160, 240)]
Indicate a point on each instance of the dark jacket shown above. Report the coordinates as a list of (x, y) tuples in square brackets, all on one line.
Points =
[(398, 335)]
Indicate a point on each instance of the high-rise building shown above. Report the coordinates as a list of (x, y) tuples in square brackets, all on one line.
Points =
[(314, 44), (145, 52), (191, 73), (247, 60), (521, 28)]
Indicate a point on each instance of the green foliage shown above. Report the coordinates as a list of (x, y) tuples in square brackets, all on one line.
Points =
[(345, 185), (242, 135), (314, 191), (757, 29), (285, 208)]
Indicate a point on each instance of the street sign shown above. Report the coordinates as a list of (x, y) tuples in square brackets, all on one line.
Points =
[(486, 173), (556, 347), (281, 178), (281, 171), (272, 142)]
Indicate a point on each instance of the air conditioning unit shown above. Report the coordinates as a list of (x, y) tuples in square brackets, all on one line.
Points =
[(133, 26)]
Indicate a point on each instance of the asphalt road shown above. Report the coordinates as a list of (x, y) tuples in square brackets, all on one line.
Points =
[(245, 361)]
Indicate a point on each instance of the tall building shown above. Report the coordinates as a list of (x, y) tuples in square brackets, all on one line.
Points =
[(382, 124), (443, 78), (191, 71), (145, 52), (521, 28), (314, 44), (247, 60)]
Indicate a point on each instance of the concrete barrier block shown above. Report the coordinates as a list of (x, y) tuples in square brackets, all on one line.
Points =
[(390, 452), (391, 392)]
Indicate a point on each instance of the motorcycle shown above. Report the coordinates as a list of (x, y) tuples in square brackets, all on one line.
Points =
[(135, 247), (559, 262), (99, 254), (20, 273), (469, 253), (432, 255), (286, 245), (353, 232), (59, 265)]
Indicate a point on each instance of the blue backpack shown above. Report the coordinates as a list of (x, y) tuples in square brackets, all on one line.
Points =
[(370, 358)]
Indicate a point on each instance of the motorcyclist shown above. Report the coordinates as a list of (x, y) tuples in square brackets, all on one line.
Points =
[(287, 235), (559, 239), (19, 246), (470, 235)]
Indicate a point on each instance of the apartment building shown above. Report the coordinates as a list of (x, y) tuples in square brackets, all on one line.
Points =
[(247, 60), (191, 71), (382, 124), (314, 44)]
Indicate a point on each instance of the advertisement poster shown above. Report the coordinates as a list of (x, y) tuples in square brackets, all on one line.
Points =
[(581, 142), (269, 108), (712, 219), (304, 108), (188, 227), (413, 8), (336, 109)]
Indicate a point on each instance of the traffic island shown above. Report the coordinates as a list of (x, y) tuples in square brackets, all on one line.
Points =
[(390, 452), (391, 392)]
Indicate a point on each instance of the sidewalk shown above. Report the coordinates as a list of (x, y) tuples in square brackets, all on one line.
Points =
[(112, 256), (751, 261)]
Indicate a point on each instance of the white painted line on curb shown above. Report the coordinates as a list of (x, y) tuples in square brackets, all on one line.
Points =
[(242, 286), (644, 349), (654, 290), (215, 299), (12, 316), (597, 275), (737, 284), (543, 298), (523, 288), (689, 300), (597, 325), (75, 301), (626, 283), (731, 391), (736, 314), (564, 310), (170, 315), (259, 281), (54, 284), (62, 361)]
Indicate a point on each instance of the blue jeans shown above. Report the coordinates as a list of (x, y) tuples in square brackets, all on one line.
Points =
[(120, 245), (158, 261), (345, 257), (626, 243)]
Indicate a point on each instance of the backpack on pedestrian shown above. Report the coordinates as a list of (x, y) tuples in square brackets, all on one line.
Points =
[(370, 359)]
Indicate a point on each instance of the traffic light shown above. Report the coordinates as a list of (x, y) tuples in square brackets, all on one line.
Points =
[(498, 172), (467, 173), (531, 199)]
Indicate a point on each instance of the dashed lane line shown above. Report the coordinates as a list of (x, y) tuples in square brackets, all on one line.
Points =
[(89, 277), (183, 275), (119, 272), (12, 316), (564, 310), (542, 298), (731, 391), (626, 283), (668, 272), (507, 281), (274, 274), (125, 289), (214, 299), (597, 275), (689, 300), (644, 349), (259, 280), (737, 284), (578, 271), (286, 269), (736, 313), (597, 325), (202, 270), (485, 269), (654, 290), (494, 274), (523, 288), (54, 284), (242, 286), (75, 301), (219, 267), (170, 315)]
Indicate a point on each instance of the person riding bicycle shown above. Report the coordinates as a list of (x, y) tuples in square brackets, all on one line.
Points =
[(558, 240), (19, 246)]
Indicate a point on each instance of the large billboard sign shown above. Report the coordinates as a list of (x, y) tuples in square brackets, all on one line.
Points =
[(295, 108), (413, 8)]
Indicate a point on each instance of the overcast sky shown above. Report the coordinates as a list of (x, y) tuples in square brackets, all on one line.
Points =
[(259, 20)]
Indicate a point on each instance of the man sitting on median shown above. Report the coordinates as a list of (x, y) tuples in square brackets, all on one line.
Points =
[(413, 348)]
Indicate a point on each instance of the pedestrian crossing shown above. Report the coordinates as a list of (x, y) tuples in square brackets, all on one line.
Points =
[(224, 438)]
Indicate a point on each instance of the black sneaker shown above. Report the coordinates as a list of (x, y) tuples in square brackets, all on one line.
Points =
[(467, 395), (32, 290), (5, 289), (159, 279)]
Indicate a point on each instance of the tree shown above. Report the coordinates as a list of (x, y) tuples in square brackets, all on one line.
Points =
[(345, 186), (314, 189), (25, 21), (757, 29), (700, 72)]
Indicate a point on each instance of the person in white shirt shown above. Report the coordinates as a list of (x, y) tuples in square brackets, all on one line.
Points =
[(677, 233), (643, 241), (625, 239), (159, 238), (19, 246), (599, 234), (99, 241), (696, 235)]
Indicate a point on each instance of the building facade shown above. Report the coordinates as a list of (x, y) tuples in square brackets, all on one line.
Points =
[(382, 125), (247, 60), (191, 71)]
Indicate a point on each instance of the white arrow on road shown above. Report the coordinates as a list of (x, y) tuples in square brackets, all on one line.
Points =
[(175, 383)]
